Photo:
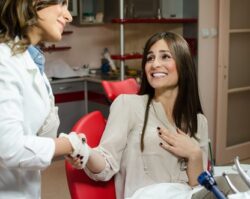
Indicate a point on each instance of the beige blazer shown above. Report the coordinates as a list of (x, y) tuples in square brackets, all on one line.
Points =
[(120, 145)]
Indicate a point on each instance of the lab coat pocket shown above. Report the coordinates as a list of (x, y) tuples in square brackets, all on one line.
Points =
[(51, 124), (37, 154), (31, 163)]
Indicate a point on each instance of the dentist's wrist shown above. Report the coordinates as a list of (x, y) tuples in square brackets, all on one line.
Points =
[(79, 145)]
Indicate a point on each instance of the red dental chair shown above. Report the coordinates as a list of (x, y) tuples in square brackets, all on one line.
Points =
[(80, 185), (114, 88)]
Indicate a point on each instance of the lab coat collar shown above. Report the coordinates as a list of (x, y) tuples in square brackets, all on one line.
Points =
[(38, 82), (27, 63)]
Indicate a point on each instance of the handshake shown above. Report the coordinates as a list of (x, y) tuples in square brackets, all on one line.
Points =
[(81, 151)]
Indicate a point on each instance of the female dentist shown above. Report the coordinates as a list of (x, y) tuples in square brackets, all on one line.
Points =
[(28, 117)]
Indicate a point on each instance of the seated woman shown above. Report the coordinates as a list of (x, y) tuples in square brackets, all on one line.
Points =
[(160, 135), (156, 142)]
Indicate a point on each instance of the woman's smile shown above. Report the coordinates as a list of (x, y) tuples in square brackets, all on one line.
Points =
[(159, 74)]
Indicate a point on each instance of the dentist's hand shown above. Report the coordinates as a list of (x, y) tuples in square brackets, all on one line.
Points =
[(80, 155)]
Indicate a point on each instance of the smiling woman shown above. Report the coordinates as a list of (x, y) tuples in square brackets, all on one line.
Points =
[(161, 77), (28, 116), (51, 21), (32, 21), (159, 135)]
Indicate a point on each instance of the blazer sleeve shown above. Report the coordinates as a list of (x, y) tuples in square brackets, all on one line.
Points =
[(114, 139), (202, 134)]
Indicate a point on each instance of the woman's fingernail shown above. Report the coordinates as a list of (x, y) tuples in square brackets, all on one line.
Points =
[(158, 128), (160, 143), (81, 157), (159, 133), (78, 155), (81, 162)]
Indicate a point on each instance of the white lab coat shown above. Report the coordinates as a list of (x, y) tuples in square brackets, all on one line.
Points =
[(24, 106)]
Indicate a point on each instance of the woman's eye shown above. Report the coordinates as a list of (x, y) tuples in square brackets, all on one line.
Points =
[(65, 2), (150, 58), (165, 56)]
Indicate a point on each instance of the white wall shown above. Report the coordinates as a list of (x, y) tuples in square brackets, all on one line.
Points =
[(208, 60), (88, 42)]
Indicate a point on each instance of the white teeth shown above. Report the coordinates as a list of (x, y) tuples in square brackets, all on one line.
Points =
[(159, 74)]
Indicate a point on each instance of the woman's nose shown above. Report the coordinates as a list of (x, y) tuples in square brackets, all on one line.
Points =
[(156, 63), (68, 16)]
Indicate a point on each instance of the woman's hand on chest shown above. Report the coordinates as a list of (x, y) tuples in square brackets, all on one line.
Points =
[(179, 143)]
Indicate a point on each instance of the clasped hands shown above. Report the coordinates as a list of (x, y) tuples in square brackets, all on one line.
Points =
[(81, 151), (178, 143)]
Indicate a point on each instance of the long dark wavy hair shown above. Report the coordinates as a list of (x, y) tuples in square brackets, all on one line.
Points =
[(187, 104), (16, 16)]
